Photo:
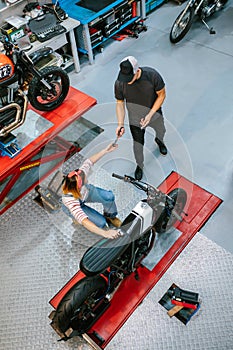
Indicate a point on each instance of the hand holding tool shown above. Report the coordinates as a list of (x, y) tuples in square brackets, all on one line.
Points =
[(115, 142)]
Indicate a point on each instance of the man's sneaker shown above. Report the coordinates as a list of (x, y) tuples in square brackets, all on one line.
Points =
[(114, 221), (138, 173), (162, 147)]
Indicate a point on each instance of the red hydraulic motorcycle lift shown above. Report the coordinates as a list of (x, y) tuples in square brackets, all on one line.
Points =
[(200, 206), (19, 175)]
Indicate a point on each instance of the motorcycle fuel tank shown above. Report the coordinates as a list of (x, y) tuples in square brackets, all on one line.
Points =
[(145, 212)]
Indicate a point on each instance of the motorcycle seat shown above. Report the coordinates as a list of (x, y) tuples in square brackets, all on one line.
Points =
[(43, 52), (102, 254)]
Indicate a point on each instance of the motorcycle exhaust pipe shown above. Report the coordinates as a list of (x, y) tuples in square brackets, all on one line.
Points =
[(19, 120), (109, 296)]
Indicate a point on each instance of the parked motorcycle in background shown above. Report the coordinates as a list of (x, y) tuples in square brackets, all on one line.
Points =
[(21, 81), (194, 9)]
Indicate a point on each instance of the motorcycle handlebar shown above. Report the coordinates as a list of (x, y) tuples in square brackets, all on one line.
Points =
[(126, 178), (132, 180), (118, 176)]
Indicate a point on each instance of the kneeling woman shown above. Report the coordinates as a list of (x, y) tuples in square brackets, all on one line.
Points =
[(77, 192)]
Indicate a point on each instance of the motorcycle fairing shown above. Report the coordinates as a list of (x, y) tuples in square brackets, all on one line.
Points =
[(6, 69), (144, 210)]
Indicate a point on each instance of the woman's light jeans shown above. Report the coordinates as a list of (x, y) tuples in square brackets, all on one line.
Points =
[(97, 195)]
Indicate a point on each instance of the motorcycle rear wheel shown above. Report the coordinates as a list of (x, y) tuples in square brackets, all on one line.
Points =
[(168, 219), (41, 97), (181, 25), (71, 310)]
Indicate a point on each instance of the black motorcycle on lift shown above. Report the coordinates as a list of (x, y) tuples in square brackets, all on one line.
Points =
[(194, 9), (108, 262), (22, 82)]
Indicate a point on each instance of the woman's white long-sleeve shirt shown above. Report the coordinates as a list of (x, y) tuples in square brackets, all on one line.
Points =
[(74, 204)]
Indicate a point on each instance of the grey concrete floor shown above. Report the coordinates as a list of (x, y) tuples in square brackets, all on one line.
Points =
[(41, 252)]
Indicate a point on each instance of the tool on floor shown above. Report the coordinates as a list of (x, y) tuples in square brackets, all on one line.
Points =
[(181, 298), (49, 197), (184, 297), (174, 310), (184, 304), (180, 303)]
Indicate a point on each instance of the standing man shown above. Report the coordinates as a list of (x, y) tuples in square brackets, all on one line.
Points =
[(142, 90)]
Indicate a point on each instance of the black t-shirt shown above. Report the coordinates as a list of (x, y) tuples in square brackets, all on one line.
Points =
[(141, 95)]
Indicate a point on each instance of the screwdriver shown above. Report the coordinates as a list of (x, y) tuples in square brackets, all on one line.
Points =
[(115, 142)]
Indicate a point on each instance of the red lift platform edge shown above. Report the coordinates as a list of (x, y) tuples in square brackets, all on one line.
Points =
[(200, 206), (74, 106)]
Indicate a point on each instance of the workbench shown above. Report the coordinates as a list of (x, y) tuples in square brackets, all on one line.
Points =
[(60, 40), (151, 5), (90, 20)]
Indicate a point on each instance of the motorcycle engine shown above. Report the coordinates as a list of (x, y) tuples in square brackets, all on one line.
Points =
[(7, 93), (212, 7)]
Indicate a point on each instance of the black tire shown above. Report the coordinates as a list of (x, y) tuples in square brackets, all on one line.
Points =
[(44, 99), (180, 29), (67, 313), (167, 219)]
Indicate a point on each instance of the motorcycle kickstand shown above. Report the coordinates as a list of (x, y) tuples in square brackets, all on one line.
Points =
[(211, 30)]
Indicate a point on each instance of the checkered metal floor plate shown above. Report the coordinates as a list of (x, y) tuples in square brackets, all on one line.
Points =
[(40, 252)]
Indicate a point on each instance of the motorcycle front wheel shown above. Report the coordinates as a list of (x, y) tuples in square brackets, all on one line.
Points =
[(45, 98), (167, 219), (182, 25), (76, 308)]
